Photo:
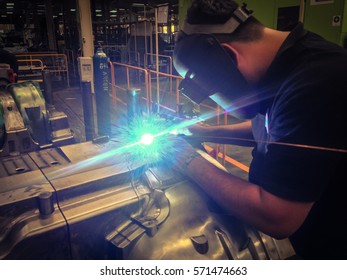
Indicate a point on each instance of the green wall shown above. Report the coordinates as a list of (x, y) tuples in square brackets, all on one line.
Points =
[(263, 10), (266, 10), (317, 18)]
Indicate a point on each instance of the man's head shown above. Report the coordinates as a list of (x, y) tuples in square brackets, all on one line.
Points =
[(203, 57), (215, 12)]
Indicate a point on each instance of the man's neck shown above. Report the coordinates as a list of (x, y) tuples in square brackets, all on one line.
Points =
[(254, 58)]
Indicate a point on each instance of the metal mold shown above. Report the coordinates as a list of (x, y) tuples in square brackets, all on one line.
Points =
[(91, 207)]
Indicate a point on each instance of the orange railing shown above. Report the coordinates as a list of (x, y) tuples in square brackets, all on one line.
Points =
[(127, 69), (219, 152), (165, 75), (55, 63), (160, 56), (147, 84), (31, 69)]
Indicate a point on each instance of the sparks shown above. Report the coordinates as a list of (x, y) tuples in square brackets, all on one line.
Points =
[(147, 139)]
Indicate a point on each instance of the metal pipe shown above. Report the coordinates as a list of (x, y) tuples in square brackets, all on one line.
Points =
[(157, 58), (88, 112), (113, 84), (53, 68)]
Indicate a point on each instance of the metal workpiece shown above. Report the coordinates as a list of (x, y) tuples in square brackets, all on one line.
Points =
[(200, 243), (49, 157), (88, 151), (77, 196), (30, 237), (153, 212), (277, 249), (25, 233), (84, 201), (162, 177), (196, 218)]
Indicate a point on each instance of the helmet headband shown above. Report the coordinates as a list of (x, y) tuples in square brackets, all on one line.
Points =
[(238, 17)]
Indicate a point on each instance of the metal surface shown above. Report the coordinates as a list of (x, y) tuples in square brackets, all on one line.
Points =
[(75, 202)]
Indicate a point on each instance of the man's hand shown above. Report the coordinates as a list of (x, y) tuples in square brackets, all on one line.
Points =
[(199, 129), (181, 154)]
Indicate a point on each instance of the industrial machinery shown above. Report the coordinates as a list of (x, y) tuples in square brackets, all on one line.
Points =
[(89, 201), (106, 199), (28, 120)]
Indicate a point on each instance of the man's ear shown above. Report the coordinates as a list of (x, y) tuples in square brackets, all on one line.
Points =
[(231, 51)]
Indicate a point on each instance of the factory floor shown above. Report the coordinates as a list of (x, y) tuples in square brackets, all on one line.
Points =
[(69, 101)]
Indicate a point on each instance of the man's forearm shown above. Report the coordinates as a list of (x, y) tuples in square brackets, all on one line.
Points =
[(248, 201), (237, 134)]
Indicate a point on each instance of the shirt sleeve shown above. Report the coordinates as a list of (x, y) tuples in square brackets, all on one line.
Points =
[(306, 145)]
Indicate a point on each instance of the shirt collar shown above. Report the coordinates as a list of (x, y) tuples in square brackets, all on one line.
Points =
[(297, 32)]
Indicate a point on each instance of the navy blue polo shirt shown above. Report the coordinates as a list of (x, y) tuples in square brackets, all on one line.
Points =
[(301, 135)]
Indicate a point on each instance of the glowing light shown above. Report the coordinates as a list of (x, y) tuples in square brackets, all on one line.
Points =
[(147, 139)]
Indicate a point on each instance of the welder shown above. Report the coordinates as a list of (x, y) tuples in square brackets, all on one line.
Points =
[(289, 88)]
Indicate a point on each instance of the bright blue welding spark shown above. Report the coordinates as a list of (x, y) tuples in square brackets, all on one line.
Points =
[(137, 144), (147, 139), (83, 165), (134, 147)]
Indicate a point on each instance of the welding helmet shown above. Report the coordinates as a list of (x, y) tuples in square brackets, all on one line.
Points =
[(209, 71)]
